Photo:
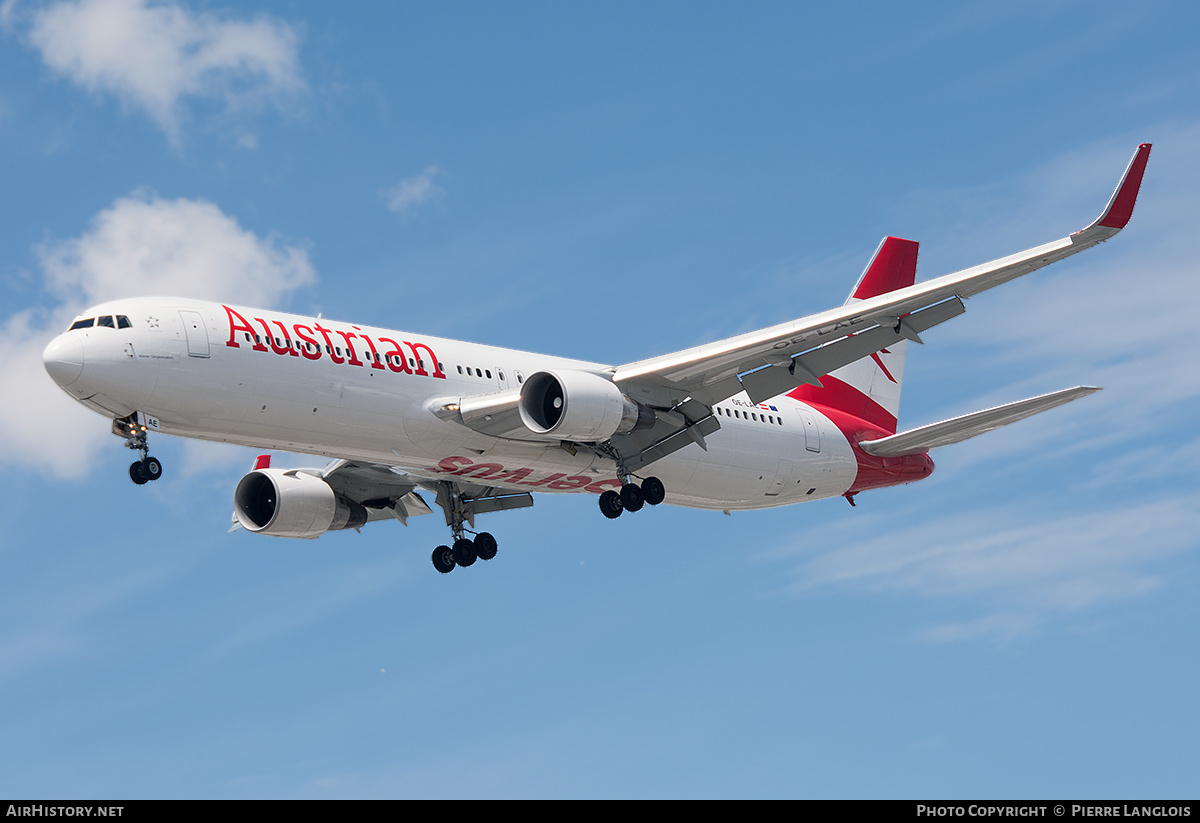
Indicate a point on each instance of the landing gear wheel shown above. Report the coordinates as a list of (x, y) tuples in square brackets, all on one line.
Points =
[(485, 546), (631, 497), (464, 552), (653, 490), (137, 474), (443, 559), (610, 504), (151, 468)]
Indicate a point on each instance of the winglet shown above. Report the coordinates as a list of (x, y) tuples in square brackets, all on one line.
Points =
[(1120, 207), (263, 462), (894, 266)]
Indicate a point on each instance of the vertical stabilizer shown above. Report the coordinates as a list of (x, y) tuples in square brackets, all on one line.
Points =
[(870, 388)]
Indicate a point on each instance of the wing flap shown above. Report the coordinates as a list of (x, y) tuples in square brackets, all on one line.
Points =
[(809, 367), (957, 429)]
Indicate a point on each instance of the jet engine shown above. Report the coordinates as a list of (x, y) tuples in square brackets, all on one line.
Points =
[(579, 406), (290, 503)]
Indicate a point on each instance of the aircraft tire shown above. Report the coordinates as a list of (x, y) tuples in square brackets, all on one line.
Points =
[(137, 474), (610, 504), (653, 491), (464, 552), (631, 497), (485, 546), (152, 468), (443, 559)]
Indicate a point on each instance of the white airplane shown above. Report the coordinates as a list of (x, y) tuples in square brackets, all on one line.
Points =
[(799, 411)]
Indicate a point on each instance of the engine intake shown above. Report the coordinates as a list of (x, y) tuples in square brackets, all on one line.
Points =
[(580, 406), (290, 503)]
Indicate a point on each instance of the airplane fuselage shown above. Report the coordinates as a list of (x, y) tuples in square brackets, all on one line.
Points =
[(271, 380)]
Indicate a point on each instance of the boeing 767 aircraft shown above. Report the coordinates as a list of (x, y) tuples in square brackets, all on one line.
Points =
[(800, 411)]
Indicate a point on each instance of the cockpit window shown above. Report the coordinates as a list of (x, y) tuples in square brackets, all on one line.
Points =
[(106, 321), (123, 322), (82, 324)]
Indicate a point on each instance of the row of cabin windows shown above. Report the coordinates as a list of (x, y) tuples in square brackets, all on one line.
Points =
[(755, 416), (394, 359), (471, 371), (107, 321)]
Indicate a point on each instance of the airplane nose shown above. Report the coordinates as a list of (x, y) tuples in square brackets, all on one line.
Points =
[(63, 359)]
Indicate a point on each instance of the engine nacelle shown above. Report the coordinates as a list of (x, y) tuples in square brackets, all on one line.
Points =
[(580, 406), (290, 503)]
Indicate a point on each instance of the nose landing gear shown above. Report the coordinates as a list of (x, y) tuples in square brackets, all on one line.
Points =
[(134, 431)]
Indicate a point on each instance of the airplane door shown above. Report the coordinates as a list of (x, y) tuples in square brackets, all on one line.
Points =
[(812, 434), (197, 335), (502, 377)]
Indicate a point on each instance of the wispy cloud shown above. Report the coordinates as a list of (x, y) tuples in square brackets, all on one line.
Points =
[(142, 244), (411, 193), (153, 56)]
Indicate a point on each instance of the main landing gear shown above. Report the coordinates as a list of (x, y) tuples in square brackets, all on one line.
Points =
[(147, 468), (464, 551), (632, 496)]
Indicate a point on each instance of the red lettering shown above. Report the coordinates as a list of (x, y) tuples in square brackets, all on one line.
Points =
[(315, 354), (374, 358), (291, 349), (513, 476), (437, 367), (395, 356), (567, 483), (333, 355), (450, 464), (275, 347), (242, 326), (480, 470), (599, 486), (346, 335)]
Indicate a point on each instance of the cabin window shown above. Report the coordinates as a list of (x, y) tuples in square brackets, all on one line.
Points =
[(489, 373)]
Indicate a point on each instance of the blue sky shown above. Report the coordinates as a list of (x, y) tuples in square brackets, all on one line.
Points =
[(610, 182)]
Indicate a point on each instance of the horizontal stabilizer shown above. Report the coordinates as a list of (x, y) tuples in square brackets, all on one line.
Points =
[(957, 429)]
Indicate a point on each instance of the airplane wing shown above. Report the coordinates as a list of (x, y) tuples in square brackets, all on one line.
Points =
[(958, 429), (388, 492), (385, 492), (777, 359)]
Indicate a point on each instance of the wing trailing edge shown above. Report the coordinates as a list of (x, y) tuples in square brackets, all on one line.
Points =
[(711, 371), (957, 429)]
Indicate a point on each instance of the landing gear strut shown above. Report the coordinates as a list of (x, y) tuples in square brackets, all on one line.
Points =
[(147, 468), (464, 551)]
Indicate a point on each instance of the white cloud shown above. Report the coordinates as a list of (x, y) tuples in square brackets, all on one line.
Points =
[(413, 192), (152, 55), (141, 245), (144, 244), (1018, 570)]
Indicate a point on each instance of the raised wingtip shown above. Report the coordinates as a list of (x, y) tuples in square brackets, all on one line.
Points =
[(1120, 207), (894, 266)]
